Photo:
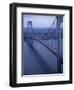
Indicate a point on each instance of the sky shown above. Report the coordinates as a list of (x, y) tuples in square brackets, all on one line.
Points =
[(39, 21)]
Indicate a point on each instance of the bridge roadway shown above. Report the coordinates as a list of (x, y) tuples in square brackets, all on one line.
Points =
[(38, 40), (38, 59)]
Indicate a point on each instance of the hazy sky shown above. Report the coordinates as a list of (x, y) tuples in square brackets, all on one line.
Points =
[(39, 21)]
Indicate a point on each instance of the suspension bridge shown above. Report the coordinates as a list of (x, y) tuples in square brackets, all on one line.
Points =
[(52, 34)]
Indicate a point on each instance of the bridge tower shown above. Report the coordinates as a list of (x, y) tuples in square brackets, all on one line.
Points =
[(30, 31), (29, 25), (59, 21)]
